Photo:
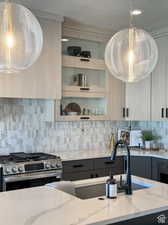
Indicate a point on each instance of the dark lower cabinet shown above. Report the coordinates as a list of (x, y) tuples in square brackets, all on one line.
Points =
[(141, 166), (160, 170), (92, 168)]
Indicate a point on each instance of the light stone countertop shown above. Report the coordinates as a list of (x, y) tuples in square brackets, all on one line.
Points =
[(48, 206), (88, 154)]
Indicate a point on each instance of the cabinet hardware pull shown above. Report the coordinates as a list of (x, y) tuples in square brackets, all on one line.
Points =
[(84, 59), (84, 89), (166, 112), (123, 112), (127, 112), (85, 118), (111, 162), (77, 166), (162, 112)]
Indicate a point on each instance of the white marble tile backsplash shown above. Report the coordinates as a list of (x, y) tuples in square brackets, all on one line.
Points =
[(23, 128)]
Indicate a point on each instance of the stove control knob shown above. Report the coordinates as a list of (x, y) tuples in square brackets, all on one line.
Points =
[(20, 169), (8, 170), (47, 166), (53, 166), (14, 169)]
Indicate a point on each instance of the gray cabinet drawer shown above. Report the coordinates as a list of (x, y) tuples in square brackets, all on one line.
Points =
[(77, 165), (77, 175), (104, 163)]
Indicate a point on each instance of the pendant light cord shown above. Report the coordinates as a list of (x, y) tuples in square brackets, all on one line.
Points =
[(131, 14)]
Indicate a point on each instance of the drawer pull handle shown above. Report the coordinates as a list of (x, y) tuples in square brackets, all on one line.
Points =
[(77, 166), (162, 112), (123, 112), (84, 89), (109, 162), (166, 112), (85, 118), (127, 112), (84, 60)]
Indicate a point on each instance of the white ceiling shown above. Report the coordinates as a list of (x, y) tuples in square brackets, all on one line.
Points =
[(113, 14)]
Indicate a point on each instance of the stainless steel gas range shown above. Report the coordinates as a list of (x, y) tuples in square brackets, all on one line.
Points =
[(24, 170)]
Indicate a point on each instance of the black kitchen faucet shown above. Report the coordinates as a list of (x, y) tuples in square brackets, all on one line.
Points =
[(128, 184)]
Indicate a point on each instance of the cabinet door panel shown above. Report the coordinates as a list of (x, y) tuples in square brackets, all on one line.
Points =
[(141, 166), (116, 98), (159, 81), (43, 78), (138, 100)]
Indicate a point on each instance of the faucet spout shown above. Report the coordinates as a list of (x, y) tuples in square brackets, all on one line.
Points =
[(128, 184)]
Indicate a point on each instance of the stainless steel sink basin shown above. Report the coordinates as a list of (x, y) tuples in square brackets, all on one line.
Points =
[(99, 189)]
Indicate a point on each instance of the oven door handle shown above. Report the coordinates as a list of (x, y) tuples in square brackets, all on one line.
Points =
[(32, 176)]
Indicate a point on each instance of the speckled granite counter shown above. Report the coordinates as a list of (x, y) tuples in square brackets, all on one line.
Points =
[(76, 155), (45, 205)]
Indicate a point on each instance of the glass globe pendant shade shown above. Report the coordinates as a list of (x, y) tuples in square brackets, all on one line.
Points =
[(21, 38), (131, 55)]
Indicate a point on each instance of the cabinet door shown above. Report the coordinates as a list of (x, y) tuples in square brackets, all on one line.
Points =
[(141, 166), (116, 98), (138, 100), (159, 82), (156, 165), (43, 78)]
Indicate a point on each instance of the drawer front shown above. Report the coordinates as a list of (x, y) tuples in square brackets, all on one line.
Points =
[(104, 163), (77, 165), (77, 176)]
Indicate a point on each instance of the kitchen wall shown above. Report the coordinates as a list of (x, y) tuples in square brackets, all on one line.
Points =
[(23, 128), (158, 128)]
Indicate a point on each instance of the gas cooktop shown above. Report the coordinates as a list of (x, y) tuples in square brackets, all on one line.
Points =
[(25, 157)]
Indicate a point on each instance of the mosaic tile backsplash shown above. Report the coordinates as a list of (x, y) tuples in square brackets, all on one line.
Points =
[(23, 127)]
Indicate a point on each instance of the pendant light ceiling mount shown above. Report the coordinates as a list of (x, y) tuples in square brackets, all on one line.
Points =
[(21, 37), (131, 54)]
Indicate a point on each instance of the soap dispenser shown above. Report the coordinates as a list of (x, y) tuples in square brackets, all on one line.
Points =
[(111, 188)]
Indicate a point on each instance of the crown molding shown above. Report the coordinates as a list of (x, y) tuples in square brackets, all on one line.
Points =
[(72, 28), (160, 32), (47, 15)]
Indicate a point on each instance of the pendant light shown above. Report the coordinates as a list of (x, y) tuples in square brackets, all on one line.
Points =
[(131, 54), (21, 37)]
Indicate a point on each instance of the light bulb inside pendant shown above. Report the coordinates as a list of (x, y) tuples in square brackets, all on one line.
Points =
[(9, 40), (21, 38)]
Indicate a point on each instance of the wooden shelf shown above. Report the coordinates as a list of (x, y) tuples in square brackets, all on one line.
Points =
[(84, 63), (84, 92), (82, 118)]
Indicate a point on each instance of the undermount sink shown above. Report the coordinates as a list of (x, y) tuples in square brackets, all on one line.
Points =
[(99, 189)]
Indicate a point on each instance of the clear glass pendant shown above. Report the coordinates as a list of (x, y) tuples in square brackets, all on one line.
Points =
[(21, 38), (131, 55)]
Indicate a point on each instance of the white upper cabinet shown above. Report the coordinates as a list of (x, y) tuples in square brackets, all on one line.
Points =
[(159, 101), (116, 98), (138, 100), (43, 79)]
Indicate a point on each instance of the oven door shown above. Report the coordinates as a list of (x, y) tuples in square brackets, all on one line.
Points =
[(30, 180)]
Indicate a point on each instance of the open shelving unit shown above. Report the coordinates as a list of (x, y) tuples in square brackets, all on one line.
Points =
[(93, 97)]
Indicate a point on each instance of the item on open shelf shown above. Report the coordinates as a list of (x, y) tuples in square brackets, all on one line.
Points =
[(80, 80), (74, 50), (85, 54), (71, 108)]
